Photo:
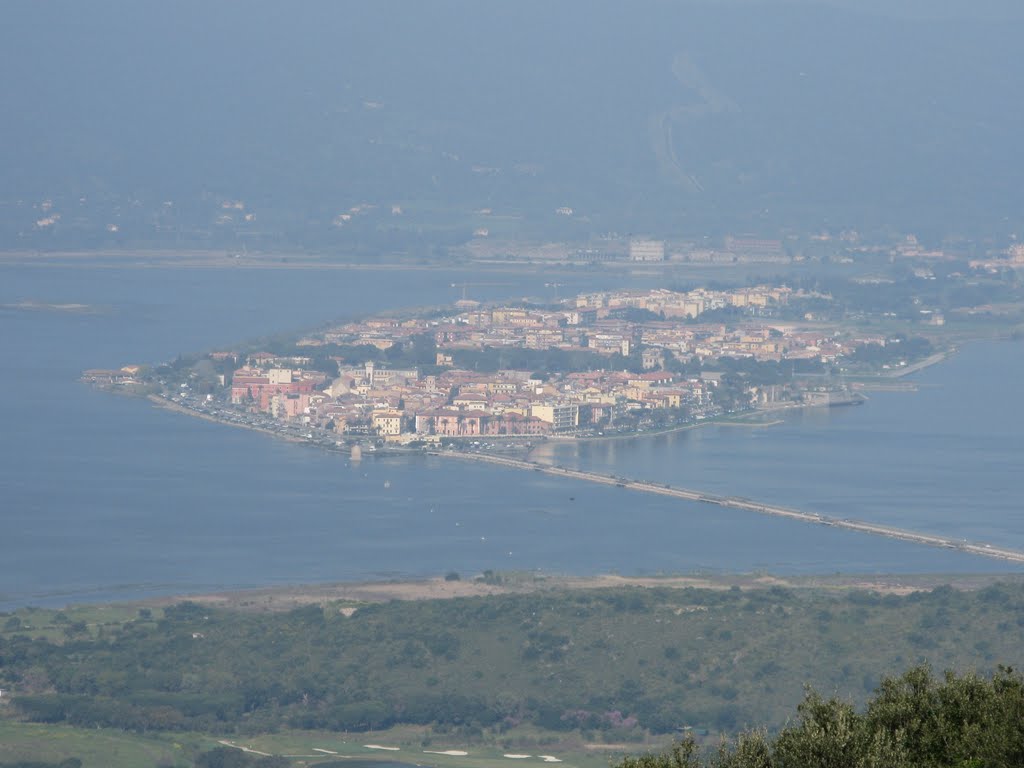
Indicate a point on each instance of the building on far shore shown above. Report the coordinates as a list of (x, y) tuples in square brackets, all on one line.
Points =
[(647, 250)]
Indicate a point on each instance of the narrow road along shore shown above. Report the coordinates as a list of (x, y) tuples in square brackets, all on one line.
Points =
[(737, 502), (170, 405)]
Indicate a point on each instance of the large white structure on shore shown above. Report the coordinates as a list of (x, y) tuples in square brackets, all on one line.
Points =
[(647, 250)]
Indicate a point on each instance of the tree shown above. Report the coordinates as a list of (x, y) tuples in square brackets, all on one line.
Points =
[(914, 721), (682, 754), (751, 750)]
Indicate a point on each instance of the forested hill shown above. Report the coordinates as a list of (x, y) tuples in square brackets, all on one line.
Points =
[(606, 663)]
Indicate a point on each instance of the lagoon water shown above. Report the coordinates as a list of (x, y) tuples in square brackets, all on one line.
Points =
[(105, 497), (946, 459)]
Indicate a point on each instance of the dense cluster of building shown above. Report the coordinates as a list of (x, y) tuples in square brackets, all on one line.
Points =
[(405, 404), (392, 403), (599, 322)]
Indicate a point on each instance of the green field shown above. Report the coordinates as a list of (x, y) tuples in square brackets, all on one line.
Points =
[(95, 747)]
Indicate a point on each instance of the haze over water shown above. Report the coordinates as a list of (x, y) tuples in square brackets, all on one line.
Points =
[(108, 497)]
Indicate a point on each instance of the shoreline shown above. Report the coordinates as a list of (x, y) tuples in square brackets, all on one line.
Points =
[(750, 420), (196, 258), (169, 405), (920, 365), (351, 595), (222, 257), (285, 598)]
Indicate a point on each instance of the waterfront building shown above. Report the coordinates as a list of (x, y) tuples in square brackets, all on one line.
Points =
[(647, 250), (561, 416)]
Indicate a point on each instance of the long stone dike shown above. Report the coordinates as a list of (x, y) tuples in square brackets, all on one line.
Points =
[(737, 502)]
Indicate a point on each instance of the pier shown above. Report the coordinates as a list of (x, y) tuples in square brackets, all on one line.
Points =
[(750, 505)]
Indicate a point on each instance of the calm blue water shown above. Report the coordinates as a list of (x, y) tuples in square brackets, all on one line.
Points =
[(104, 497), (946, 459)]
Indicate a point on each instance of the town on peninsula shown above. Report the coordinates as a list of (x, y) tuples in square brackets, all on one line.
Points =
[(596, 365)]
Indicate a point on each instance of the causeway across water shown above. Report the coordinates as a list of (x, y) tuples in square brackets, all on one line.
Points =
[(876, 529)]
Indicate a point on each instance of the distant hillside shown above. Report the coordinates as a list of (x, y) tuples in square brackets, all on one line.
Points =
[(139, 122)]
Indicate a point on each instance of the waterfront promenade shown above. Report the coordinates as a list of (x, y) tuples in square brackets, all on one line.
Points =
[(737, 502)]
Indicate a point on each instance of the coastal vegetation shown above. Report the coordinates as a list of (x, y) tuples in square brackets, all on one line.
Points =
[(614, 665)]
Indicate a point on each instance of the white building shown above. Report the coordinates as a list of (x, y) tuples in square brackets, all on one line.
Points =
[(560, 416), (647, 250)]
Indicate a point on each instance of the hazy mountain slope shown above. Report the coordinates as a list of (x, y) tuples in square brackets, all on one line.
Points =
[(662, 117)]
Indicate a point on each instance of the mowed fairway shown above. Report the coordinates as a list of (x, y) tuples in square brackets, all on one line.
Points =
[(109, 748)]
